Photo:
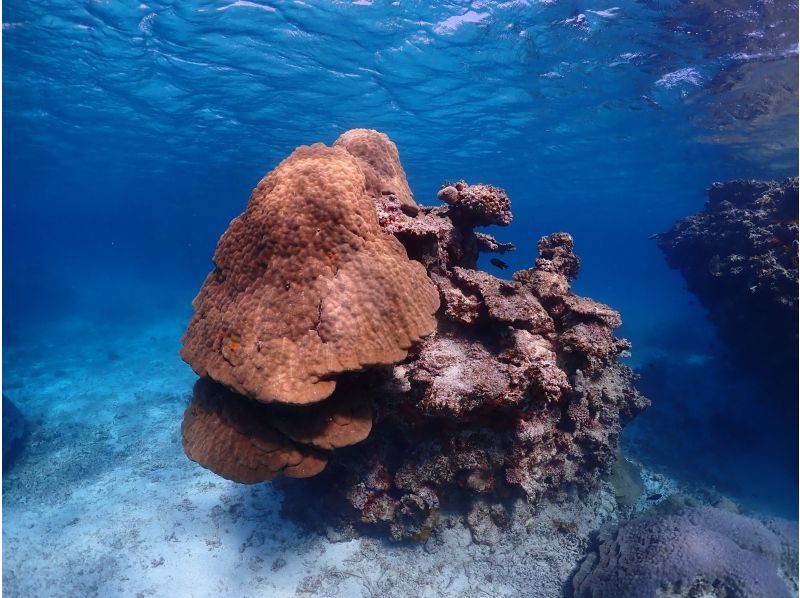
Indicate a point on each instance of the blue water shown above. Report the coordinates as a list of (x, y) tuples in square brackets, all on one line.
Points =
[(132, 134)]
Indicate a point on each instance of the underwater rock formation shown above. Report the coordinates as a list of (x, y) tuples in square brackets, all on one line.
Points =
[(14, 428), (739, 256), (480, 204), (699, 551), (340, 360)]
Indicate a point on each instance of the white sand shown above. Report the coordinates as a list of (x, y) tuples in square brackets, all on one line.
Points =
[(104, 503)]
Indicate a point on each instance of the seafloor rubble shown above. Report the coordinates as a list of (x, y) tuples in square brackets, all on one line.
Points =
[(739, 256), (346, 333)]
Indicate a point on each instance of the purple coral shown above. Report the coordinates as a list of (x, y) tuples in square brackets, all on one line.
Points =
[(699, 551)]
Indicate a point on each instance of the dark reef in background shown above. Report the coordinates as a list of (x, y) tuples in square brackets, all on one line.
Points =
[(740, 257), (706, 427), (14, 428)]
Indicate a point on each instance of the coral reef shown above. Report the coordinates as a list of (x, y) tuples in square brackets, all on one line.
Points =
[(699, 551), (14, 428), (481, 204), (516, 384), (739, 256)]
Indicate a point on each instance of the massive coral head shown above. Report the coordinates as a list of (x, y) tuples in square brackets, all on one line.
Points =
[(380, 162), (306, 286)]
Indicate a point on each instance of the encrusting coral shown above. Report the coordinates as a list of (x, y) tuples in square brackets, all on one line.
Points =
[(481, 204), (514, 383), (699, 551)]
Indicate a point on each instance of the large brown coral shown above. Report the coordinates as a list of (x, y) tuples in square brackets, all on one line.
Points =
[(307, 286), (247, 442), (379, 160), (227, 434)]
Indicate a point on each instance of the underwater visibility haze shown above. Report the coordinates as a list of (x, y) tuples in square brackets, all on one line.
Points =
[(366, 284)]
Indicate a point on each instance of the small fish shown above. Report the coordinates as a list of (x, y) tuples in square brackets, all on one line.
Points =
[(654, 496), (498, 263)]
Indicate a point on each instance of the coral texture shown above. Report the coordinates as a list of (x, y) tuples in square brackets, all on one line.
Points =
[(739, 256), (518, 385), (696, 552), (231, 436), (306, 286), (379, 160), (246, 441), (481, 204)]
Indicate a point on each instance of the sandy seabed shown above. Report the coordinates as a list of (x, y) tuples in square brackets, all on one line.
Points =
[(103, 501)]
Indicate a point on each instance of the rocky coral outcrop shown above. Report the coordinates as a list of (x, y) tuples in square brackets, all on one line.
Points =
[(480, 204), (517, 387), (740, 257), (699, 551)]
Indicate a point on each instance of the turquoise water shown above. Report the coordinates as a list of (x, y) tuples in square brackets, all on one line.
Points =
[(133, 133)]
